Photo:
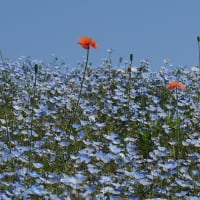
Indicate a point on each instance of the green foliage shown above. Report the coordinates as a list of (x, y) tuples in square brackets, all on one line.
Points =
[(139, 111)]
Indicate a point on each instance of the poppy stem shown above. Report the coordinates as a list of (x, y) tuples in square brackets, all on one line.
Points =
[(32, 111), (178, 133), (129, 95), (198, 40), (1, 57), (129, 85), (178, 125), (81, 87), (7, 132)]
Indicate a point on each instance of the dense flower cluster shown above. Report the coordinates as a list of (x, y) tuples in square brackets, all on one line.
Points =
[(122, 141)]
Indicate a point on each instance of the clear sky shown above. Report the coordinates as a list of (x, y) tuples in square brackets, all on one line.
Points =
[(150, 29)]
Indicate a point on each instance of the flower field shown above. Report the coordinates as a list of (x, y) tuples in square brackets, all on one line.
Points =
[(116, 134)]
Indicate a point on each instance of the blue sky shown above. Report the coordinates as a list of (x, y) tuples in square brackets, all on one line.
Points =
[(150, 29)]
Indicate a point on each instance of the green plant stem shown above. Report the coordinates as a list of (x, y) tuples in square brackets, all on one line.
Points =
[(32, 111), (178, 133), (129, 94), (74, 111), (109, 59), (199, 52), (129, 86), (177, 125), (81, 87), (1, 57), (7, 132)]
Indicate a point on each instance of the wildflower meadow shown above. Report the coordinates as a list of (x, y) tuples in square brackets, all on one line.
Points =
[(102, 132)]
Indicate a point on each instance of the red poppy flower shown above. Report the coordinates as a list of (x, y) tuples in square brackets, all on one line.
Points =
[(174, 84), (86, 42)]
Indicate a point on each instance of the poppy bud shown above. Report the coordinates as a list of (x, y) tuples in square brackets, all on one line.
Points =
[(131, 57), (36, 68), (198, 38), (129, 69), (120, 59)]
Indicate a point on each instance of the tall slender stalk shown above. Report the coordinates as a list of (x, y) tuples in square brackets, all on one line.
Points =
[(129, 92), (198, 40), (8, 132), (171, 86), (109, 58), (129, 86), (81, 86), (177, 125), (1, 57), (33, 103)]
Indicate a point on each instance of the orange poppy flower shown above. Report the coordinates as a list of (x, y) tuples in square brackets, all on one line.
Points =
[(86, 42), (174, 84)]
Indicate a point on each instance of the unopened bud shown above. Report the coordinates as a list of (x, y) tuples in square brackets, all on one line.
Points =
[(120, 59), (36, 68), (131, 57)]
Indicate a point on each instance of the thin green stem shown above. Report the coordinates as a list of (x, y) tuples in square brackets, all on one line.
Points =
[(7, 132), (1, 57), (129, 85), (129, 94), (109, 58), (74, 111), (198, 41), (199, 51), (81, 87), (32, 108), (177, 125), (179, 153)]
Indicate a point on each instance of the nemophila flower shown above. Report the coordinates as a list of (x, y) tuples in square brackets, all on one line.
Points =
[(174, 84), (86, 42)]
